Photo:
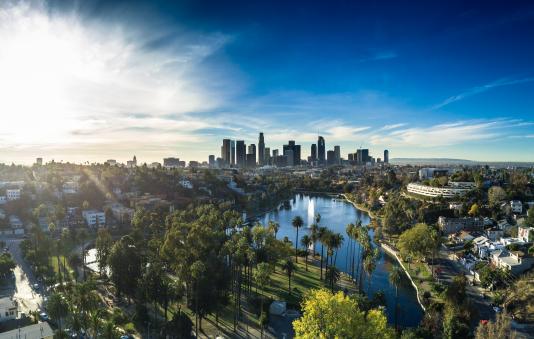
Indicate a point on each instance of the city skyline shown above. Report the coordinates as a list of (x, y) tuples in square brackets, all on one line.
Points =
[(108, 79)]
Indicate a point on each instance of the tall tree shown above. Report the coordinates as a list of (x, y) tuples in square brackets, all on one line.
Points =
[(306, 242), (125, 264), (395, 279), (289, 267), (297, 223), (103, 245)]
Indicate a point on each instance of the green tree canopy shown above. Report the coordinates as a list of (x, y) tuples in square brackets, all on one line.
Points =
[(327, 315)]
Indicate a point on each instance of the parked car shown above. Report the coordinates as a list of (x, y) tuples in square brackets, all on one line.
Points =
[(43, 316)]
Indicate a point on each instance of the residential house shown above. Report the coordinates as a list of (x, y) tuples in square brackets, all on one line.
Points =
[(515, 262), (454, 225), (35, 331), (8, 309), (494, 233), (13, 194), (94, 218), (525, 233), (516, 206)]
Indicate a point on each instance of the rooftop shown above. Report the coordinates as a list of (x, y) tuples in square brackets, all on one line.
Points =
[(40, 330)]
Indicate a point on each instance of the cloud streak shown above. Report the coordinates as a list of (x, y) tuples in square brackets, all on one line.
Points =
[(481, 89)]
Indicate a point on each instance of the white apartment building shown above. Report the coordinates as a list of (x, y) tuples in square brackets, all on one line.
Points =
[(454, 189), (8, 309), (13, 194), (94, 218)]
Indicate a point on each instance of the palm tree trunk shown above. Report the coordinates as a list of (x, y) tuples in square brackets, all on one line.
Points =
[(296, 246), (322, 248)]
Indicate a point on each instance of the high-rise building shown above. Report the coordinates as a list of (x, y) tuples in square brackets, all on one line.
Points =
[(225, 152), (295, 153), (313, 153), (241, 153), (171, 162), (261, 150), (362, 156), (39, 161), (211, 161), (251, 155), (267, 156), (290, 156), (386, 156), (275, 153), (232, 152), (330, 158), (321, 150), (337, 154)]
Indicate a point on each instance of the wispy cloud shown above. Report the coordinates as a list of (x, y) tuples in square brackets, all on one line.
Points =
[(393, 126), (481, 89)]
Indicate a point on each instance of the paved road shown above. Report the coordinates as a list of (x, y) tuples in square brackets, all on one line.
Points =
[(448, 270), (29, 299)]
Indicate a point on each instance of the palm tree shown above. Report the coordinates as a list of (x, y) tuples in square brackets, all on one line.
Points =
[(349, 230), (58, 308), (332, 275), (297, 222), (395, 278), (317, 218), (306, 242), (82, 236), (273, 227), (322, 237), (314, 235), (289, 267), (337, 241), (370, 266)]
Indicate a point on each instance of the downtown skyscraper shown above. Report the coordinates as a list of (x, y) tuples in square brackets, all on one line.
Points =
[(261, 150), (241, 153), (321, 150)]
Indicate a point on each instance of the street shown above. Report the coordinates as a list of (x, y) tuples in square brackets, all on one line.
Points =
[(29, 299)]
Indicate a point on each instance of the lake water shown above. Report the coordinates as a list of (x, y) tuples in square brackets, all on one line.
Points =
[(336, 214)]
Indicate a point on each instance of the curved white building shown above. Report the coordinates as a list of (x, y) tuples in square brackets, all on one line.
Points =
[(452, 190)]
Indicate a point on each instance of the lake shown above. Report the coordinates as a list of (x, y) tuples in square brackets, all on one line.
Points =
[(336, 214)]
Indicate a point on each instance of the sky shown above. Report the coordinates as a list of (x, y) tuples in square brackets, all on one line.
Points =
[(94, 80)]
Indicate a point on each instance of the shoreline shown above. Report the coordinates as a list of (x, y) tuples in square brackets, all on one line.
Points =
[(392, 253), (361, 207), (388, 250)]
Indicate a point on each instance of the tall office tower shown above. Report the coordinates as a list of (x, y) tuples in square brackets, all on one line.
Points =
[(290, 156), (225, 152), (261, 150), (241, 153), (211, 160), (295, 153), (330, 158), (252, 150), (337, 153), (321, 150), (362, 156), (39, 161), (275, 153), (386, 156), (267, 156), (232, 152), (351, 157), (313, 153)]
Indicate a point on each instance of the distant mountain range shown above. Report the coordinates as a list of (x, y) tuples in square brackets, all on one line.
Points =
[(456, 162)]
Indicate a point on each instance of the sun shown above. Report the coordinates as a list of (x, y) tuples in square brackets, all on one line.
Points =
[(41, 61)]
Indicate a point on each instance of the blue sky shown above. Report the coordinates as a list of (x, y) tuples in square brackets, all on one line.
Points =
[(109, 79)]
